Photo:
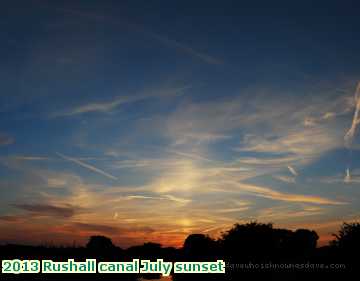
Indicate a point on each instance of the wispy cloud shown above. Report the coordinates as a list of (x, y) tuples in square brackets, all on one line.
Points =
[(164, 197), (285, 178), (87, 166), (177, 199), (304, 144), (11, 218), (288, 197), (141, 29), (278, 161), (99, 228), (198, 137), (143, 197), (282, 213), (184, 48), (190, 155), (97, 107), (267, 137), (65, 211), (349, 177), (109, 106), (232, 210), (281, 196), (30, 158), (349, 136)]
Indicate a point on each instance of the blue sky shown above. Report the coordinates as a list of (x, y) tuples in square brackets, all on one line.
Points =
[(150, 121)]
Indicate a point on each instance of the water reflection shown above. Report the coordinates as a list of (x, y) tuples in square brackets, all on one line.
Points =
[(163, 278)]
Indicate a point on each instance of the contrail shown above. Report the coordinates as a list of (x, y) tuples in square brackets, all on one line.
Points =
[(117, 101), (87, 166), (116, 215), (292, 170), (171, 43), (347, 178), (189, 155), (348, 138)]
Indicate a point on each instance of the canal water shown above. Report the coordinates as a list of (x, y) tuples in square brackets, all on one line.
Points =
[(163, 278)]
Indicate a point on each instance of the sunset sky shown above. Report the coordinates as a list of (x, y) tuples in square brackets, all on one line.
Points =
[(152, 120)]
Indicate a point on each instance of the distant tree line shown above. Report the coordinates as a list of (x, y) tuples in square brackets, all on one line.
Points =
[(249, 250)]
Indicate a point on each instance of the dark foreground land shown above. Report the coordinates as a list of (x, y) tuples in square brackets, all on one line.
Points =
[(252, 251)]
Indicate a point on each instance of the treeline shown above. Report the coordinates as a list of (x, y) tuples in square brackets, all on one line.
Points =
[(252, 250)]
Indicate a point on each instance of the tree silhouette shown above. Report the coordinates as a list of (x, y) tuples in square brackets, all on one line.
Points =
[(348, 237), (304, 241), (100, 243), (249, 240), (251, 243), (199, 246), (148, 250)]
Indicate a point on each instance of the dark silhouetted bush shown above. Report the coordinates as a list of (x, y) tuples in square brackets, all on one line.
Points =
[(99, 243)]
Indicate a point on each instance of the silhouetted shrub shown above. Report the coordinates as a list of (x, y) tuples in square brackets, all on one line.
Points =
[(99, 243), (199, 246), (304, 240), (348, 237), (251, 240)]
